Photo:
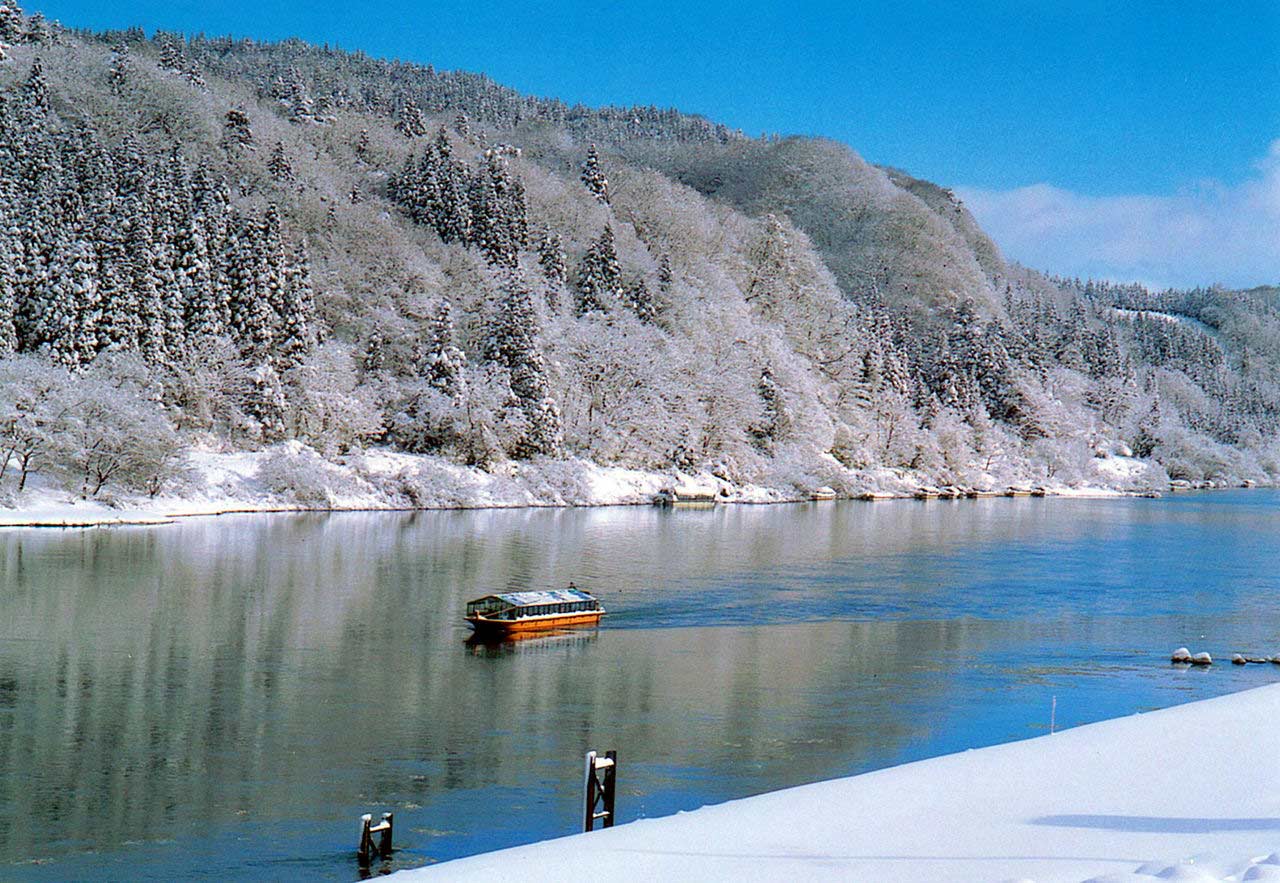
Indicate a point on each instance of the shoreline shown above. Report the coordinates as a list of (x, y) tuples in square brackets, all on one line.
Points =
[(1184, 793), (291, 478), (165, 516)]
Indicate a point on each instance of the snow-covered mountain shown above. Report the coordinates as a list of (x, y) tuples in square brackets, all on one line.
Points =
[(230, 245)]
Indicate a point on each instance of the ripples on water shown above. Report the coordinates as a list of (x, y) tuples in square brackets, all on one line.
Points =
[(226, 696)]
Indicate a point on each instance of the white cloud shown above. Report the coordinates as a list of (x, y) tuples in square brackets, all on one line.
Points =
[(1206, 234)]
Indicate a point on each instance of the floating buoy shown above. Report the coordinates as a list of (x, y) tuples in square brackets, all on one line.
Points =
[(1237, 659), (1202, 659), (1182, 654)]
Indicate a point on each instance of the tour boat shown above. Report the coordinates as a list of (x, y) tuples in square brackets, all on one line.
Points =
[(518, 613)]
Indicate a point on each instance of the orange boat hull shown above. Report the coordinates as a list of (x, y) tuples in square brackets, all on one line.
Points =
[(501, 627)]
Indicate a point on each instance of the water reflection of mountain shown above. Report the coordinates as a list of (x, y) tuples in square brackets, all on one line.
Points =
[(157, 683)]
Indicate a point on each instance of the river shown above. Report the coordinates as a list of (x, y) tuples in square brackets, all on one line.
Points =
[(223, 697)]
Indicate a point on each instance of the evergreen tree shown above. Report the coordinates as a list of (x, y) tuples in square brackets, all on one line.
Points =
[(870, 377), (278, 165), (442, 363), (121, 68), (451, 208), (362, 144), (488, 224), (593, 177), (174, 58), (148, 290), (374, 360), (295, 97), (775, 419), (771, 260), (266, 402), (599, 275), (640, 300), (665, 276), (551, 258), (10, 250), (410, 122), (36, 92), (118, 328), (297, 334), (1148, 437), (499, 218), (12, 29), (37, 30), (79, 275), (67, 295), (236, 133), (198, 312), (253, 318), (171, 55), (514, 344)]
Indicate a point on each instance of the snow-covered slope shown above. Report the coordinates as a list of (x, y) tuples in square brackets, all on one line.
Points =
[(1187, 793)]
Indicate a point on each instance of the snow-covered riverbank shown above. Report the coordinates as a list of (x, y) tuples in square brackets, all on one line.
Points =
[(291, 477), (1188, 793)]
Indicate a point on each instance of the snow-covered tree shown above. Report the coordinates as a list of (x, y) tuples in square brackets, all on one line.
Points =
[(296, 334), (329, 409), (36, 92), (599, 276), (514, 344), (640, 300), (237, 134), (775, 417), (279, 167), (410, 122), (31, 397), (442, 363), (121, 69), (12, 26), (593, 176)]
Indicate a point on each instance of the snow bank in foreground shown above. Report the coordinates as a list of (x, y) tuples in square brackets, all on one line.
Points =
[(292, 477), (1188, 793)]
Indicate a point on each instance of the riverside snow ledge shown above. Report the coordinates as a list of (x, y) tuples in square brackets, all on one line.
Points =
[(1186, 793), (291, 477)]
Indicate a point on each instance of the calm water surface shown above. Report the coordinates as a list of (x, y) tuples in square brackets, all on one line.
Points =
[(224, 697)]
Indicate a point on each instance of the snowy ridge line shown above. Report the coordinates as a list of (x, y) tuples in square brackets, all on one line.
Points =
[(1128, 799), (1171, 318)]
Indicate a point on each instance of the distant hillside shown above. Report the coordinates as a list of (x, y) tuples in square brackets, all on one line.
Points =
[(227, 243)]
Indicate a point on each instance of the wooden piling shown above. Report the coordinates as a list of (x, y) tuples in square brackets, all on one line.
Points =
[(599, 787), (364, 852), (384, 836)]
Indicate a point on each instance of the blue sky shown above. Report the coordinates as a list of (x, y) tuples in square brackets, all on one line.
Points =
[(1028, 108)]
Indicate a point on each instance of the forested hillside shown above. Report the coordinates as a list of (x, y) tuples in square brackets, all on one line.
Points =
[(219, 245)]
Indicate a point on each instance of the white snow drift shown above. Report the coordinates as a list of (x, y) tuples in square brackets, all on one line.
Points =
[(1187, 793)]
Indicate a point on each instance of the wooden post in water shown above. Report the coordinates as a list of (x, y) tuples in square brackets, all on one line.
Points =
[(384, 837), (364, 852), (599, 784)]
